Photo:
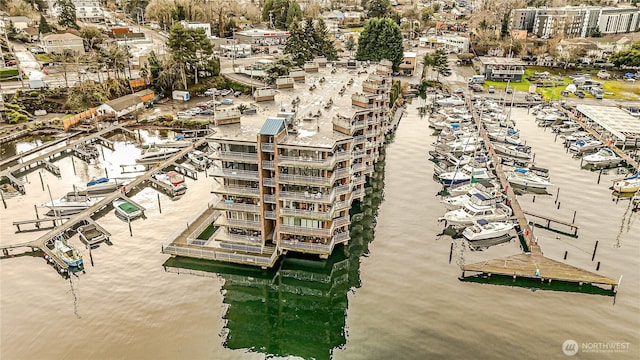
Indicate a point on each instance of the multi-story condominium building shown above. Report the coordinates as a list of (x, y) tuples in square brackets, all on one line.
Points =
[(287, 182), (575, 21), (86, 10)]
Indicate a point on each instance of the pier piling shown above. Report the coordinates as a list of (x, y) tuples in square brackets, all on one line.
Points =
[(451, 252), (73, 165), (3, 202), (130, 231), (573, 221), (595, 247), (159, 205), (598, 266), (558, 205), (599, 176), (41, 181), (35, 207), (565, 254), (557, 195)]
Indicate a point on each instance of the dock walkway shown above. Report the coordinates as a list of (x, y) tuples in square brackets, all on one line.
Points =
[(532, 264), (85, 216)]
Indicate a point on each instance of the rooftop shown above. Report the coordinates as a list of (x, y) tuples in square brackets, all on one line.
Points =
[(313, 116), (490, 60), (617, 121)]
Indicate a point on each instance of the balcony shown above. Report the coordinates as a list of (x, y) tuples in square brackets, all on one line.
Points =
[(271, 182), (358, 167), (307, 247), (268, 165), (341, 221), (373, 132), (235, 174), (341, 205), (270, 215), (236, 206), (235, 156), (359, 139), (271, 199), (237, 190), (306, 196), (507, 71), (341, 237), (267, 147), (342, 155), (358, 193), (303, 230), (342, 189), (244, 224), (302, 161), (223, 235), (359, 153), (359, 180), (307, 214), (303, 179), (341, 173), (369, 169)]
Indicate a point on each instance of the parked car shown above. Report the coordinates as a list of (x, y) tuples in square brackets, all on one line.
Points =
[(227, 102), (492, 89), (225, 92), (210, 92), (183, 115), (11, 63), (509, 90), (477, 88), (206, 112), (579, 93), (237, 93), (36, 50)]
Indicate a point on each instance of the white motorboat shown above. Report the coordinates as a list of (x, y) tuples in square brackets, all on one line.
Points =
[(484, 229), (67, 253), (471, 213), (126, 209), (175, 181), (480, 185), (585, 144), (628, 185), (567, 127), (515, 151), (71, 203), (474, 196), (451, 101), (91, 235), (505, 136), (154, 153), (199, 159), (604, 157), (527, 179), (465, 174), (103, 185)]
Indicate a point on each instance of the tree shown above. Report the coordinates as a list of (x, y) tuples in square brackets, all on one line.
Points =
[(378, 8), (350, 44), (192, 50), (278, 68), (43, 26), (326, 47), (381, 39), (220, 11), (12, 32), (441, 63), (277, 13), (297, 45), (307, 41), (67, 16), (293, 13), (427, 62), (629, 57), (161, 11), (18, 8), (92, 35)]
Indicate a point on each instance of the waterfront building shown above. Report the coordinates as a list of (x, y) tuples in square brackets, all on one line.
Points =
[(575, 21), (287, 182), (58, 43), (502, 68), (450, 42)]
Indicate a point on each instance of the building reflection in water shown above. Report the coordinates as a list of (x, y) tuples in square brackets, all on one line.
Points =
[(299, 307)]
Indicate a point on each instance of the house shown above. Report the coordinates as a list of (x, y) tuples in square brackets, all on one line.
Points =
[(502, 68), (408, 64), (352, 17), (125, 105), (58, 43), (20, 22), (89, 10), (195, 25)]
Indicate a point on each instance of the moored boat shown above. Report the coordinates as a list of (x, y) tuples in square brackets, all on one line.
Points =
[(629, 184), (527, 179), (126, 209), (71, 203), (471, 213), (483, 230), (154, 153), (67, 253), (174, 179), (604, 157)]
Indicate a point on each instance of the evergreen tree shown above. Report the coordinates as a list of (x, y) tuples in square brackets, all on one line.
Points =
[(293, 13), (441, 63), (12, 32), (67, 17), (381, 39), (308, 41), (629, 57), (350, 44), (377, 8), (327, 48), (191, 49), (295, 46), (43, 26)]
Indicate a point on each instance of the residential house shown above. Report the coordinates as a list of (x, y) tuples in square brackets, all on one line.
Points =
[(408, 64), (125, 105), (58, 43), (89, 10), (20, 22), (502, 68)]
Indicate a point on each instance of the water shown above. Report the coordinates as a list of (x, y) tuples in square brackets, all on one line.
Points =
[(391, 294)]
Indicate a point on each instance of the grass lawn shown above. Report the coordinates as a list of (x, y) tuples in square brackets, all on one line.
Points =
[(6, 73), (43, 57), (208, 232)]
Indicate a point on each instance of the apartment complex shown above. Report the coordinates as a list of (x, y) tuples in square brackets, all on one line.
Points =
[(86, 10), (287, 182), (576, 21)]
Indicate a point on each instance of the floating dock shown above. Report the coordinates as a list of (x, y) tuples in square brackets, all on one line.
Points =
[(532, 264)]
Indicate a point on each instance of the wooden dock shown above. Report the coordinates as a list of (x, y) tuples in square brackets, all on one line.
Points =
[(532, 264), (45, 160), (85, 216), (628, 159), (36, 149), (550, 220)]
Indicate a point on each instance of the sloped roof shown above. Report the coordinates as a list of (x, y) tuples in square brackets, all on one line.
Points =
[(272, 126), (64, 36), (124, 102)]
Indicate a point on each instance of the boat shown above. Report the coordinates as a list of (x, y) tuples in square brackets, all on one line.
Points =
[(465, 174), (67, 253), (470, 213), (566, 127), (604, 157), (527, 179), (451, 101), (154, 153), (481, 185), (71, 203), (91, 235), (515, 151), (585, 144), (199, 159), (509, 136), (103, 185), (174, 180), (474, 196), (483, 230), (629, 184), (126, 209)]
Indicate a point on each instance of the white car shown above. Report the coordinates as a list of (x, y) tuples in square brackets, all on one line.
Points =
[(183, 115)]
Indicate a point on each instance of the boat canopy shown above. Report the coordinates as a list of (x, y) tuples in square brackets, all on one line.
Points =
[(98, 181), (521, 170), (482, 222)]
